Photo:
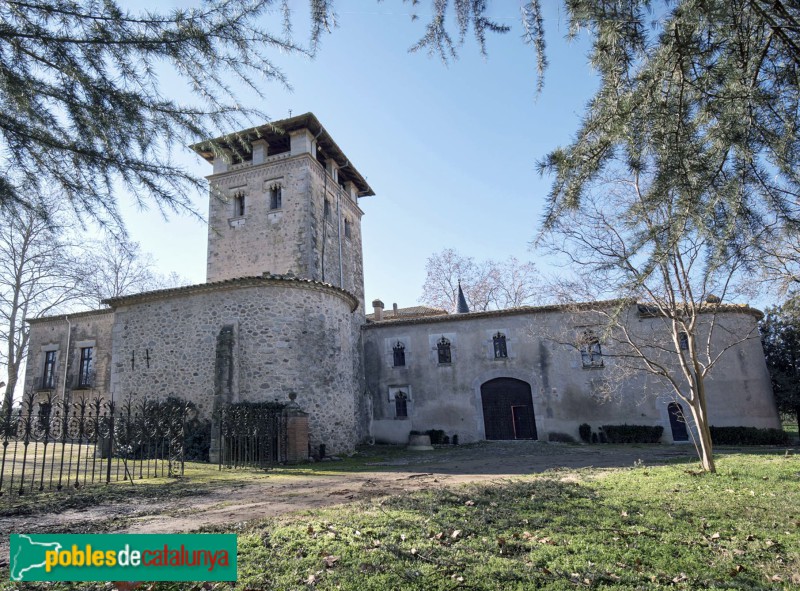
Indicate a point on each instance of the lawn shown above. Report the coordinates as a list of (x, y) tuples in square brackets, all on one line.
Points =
[(666, 527)]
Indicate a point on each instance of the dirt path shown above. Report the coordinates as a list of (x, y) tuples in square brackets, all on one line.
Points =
[(377, 475)]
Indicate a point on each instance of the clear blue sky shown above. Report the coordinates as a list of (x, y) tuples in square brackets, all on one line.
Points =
[(450, 151)]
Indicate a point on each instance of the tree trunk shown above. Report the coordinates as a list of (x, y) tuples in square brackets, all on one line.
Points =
[(698, 408)]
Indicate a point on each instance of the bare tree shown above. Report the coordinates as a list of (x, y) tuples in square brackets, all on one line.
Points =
[(486, 284), (38, 276), (669, 322), (116, 267)]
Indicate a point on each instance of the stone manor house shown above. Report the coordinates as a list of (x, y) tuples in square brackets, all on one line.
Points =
[(282, 312)]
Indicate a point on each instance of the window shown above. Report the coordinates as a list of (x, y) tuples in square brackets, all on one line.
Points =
[(399, 354), (45, 409), (86, 369), (347, 230), (49, 374), (401, 405), (238, 204), (443, 350), (591, 353), (500, 348), (275, 197), (683, 340), (327, 210)]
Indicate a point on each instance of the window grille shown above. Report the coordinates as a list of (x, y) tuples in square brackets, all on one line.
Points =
[(443, 350), (399, 354), (500, 348)]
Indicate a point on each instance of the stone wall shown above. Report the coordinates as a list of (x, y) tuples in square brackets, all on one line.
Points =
[(88, 329), (298, 237), (288, 336), (565, 393)]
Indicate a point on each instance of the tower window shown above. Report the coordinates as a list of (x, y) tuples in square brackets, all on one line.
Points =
[(401, 405), (500, 348), (86, 369), (347, 231), (49, 374), (399, 354), (238, 204), (591, 353), (327, 210), (275, 197), (443, 350), (683, 341)]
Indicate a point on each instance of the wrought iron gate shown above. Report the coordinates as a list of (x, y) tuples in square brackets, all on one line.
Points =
[(52, 443), (252, 435)]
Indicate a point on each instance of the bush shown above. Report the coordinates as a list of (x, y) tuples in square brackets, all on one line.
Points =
[(455, 439), (436, 435), (632, 433), (557, 437), (748, 436), (585, 431)]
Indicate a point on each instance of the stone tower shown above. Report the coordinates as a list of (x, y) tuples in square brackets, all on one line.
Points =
[(284, 200)]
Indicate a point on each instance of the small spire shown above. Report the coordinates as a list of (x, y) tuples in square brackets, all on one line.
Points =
[(462, 301)]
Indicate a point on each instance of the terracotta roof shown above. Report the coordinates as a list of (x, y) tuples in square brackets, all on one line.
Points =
[(240, 143), (257, 280), (84, 314), (577, 306), (408, 313)]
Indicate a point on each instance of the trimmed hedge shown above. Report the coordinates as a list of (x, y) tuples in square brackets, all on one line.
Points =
[(632, 433), (748, 436)]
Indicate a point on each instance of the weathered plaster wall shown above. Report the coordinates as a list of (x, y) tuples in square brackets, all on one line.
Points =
[(289, 336), (565, 394)]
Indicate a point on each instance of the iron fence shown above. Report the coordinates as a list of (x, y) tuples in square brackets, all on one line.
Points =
[(51, 443), (252, 435)]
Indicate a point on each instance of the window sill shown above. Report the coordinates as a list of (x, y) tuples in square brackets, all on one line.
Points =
[(600, 366), (444, 364)]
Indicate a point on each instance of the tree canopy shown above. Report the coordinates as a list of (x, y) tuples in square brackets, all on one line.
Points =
[(82, 107), (780, 335)]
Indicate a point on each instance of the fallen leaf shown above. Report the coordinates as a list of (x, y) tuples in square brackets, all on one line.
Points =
[(776, 578), (470, 503), (624, 513), (736, 570), (680, 578), (455, 534), (501, 541), (376, 543), (310, 530), (413, 551), (715, 536), (796, 578), (527, 535), (403, 537), (311, 580), (331, 560)]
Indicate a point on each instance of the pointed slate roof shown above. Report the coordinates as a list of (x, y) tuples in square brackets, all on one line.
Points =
[(462, 301)]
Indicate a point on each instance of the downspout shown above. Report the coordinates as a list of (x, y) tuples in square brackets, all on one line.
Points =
[(66, 359)]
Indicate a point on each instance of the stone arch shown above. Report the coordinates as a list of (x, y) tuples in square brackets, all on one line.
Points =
[(507, 373)]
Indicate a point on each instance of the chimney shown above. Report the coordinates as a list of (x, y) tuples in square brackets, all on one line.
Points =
[(394, 307), (377, 307)]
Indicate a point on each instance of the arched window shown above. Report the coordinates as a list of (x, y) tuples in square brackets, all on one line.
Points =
[(347, 230), (399, 354), (500, 348), (591, 353), (443, 349), (401, 405), (275, 197)]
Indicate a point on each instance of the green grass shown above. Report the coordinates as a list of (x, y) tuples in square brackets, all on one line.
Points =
[(666, 527)]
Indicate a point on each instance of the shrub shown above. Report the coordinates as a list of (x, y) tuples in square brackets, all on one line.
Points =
[(560, 437), (455, 439), (748, 436), (585, 431), (632, 433), (436, 435), (594, 438)]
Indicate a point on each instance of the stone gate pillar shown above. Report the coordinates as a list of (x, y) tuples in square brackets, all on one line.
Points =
[(296, 434)]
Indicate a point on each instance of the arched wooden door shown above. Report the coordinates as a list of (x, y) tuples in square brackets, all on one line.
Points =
[(508, 409), (677, 422)]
